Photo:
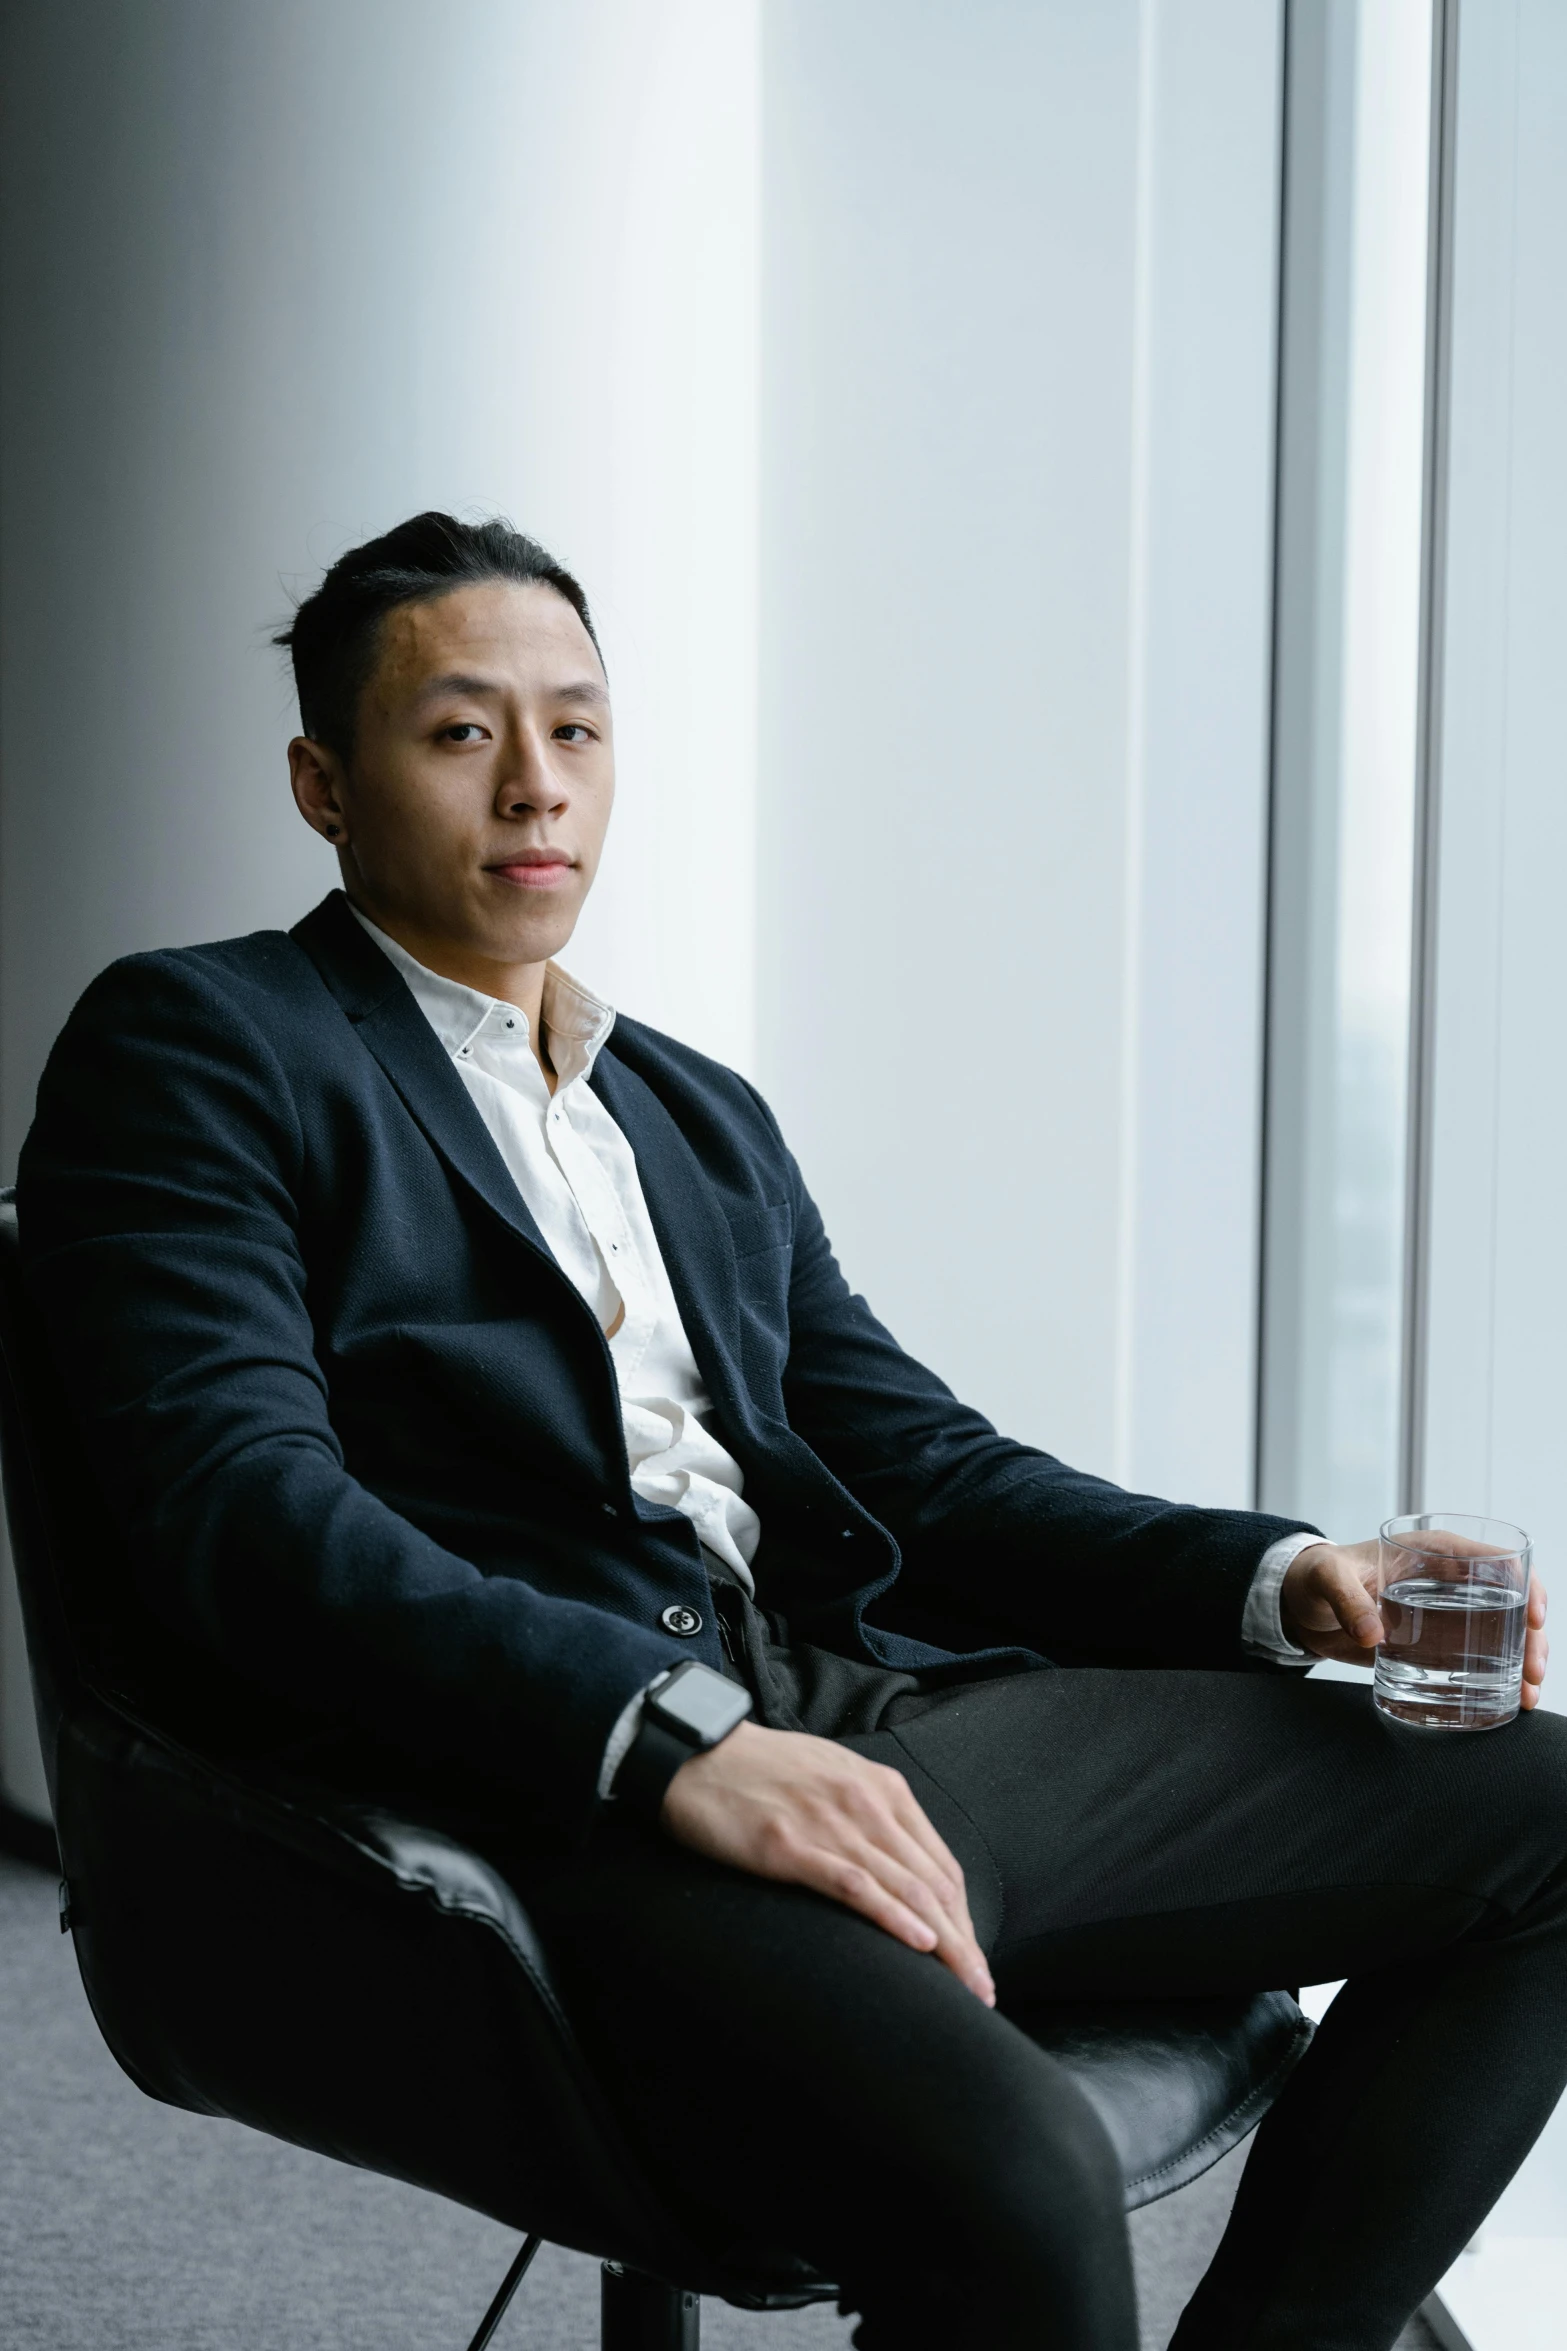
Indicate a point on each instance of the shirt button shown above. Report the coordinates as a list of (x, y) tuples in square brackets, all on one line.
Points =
[(682, 1620), (511, 1024)]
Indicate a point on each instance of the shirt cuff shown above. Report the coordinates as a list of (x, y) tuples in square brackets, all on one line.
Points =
[(1262, 1627), (619, 1743)]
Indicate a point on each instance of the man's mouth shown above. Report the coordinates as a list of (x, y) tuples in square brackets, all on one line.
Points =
[(533, 869)]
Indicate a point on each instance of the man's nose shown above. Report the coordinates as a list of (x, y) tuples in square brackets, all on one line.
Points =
[(529, 781)]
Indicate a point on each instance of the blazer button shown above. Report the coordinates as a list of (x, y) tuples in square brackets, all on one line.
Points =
[(682, 1620)]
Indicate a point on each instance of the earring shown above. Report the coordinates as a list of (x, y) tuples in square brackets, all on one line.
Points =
[(332, 831)]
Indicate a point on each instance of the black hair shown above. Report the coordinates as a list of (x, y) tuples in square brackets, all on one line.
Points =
[(332, 638)]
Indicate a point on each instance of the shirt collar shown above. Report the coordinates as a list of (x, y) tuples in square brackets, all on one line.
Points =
[(576, 1021)]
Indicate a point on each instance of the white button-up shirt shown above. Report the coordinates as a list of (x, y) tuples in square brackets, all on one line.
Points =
[(578, 1177)]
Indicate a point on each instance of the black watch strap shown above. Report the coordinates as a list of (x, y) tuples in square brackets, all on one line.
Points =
[(651, 1762), (685, 1713)]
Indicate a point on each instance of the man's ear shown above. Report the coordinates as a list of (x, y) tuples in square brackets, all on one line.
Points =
[(316, 774)]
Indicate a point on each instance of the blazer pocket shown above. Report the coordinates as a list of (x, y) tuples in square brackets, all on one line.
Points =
[(753, 1229)]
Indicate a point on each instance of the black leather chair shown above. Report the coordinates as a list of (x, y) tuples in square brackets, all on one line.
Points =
[(345, 1976)]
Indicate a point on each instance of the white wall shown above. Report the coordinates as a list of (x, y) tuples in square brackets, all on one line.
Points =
[(925, 353), (1018, 385), (276, 276)]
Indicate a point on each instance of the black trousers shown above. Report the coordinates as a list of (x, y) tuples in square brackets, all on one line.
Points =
[(794, 2075)]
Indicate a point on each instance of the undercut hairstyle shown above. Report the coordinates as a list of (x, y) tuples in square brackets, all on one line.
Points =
[(334, 636)]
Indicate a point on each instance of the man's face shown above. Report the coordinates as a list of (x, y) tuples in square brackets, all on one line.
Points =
[(475, 804)]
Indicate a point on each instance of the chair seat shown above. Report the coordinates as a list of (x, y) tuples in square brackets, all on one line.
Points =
[(360, 1983), (1176, 2083)]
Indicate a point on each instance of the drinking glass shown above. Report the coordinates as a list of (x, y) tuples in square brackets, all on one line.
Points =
[(1454, 1593)]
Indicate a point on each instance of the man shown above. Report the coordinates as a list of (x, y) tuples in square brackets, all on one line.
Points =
[(474, 1376)]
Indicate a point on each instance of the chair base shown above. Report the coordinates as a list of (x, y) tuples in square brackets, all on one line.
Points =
[(508, 2286), (643, 2314)]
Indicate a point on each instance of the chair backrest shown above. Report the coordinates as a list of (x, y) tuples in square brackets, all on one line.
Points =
[(91, 1635), (53, 1506)]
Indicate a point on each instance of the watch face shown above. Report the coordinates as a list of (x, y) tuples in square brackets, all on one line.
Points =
[(704, 1702)]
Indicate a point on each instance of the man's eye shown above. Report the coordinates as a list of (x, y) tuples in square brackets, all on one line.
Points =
[(464, 730), (571, 732)]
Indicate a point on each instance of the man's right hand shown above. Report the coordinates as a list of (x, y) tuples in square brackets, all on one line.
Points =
[(782, 1804)]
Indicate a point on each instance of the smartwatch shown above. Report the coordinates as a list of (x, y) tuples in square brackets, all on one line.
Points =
[(683, 1714)]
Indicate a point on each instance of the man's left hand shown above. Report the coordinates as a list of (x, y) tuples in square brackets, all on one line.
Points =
[(1328, 1605)]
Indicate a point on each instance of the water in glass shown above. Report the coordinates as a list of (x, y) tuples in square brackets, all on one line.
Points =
[(1453, 1604)]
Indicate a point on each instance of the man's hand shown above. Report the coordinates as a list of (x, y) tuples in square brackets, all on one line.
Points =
[(1328, 1605), (782, 1804)]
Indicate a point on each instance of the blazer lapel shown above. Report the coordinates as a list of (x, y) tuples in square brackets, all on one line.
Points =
[(691, 1228), (391, 1025)]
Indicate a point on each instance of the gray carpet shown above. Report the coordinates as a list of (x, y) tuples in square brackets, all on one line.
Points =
[(129, 2226)]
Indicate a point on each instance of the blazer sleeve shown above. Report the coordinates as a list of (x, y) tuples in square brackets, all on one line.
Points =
[(158, 1209), (999, 1540)]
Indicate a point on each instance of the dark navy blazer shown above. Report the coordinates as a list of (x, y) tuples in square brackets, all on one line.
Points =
[(365, 1435)]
